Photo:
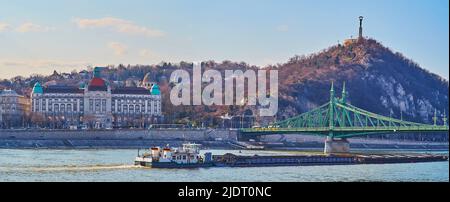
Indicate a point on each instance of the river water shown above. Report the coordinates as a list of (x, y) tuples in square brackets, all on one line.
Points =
[(117, 165)]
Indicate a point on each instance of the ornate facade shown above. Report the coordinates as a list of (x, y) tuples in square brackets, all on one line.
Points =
[(98, 105), (13, 109)]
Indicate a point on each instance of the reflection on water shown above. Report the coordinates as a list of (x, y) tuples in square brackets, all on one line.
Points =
[(67, 168), (117, 165)]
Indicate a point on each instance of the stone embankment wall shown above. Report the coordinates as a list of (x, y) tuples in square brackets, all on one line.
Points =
[(112, 138)]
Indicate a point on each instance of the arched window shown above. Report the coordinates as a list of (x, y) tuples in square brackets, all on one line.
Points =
[(131, 108), (44, 105)]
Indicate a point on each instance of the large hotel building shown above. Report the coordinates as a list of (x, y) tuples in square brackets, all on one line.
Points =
[(97, 104)]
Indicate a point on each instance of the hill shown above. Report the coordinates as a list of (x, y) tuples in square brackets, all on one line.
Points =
[(377, 79)]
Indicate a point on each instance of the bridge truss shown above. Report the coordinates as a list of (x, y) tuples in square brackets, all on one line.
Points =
[(339, 119)]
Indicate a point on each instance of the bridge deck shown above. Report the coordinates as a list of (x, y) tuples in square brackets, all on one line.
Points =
[(345, 131), (337, 118)]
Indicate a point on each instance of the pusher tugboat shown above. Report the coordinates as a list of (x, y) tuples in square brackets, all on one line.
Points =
[(188, 156)]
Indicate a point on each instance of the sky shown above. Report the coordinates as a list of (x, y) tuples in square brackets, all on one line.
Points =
[(37, 37)]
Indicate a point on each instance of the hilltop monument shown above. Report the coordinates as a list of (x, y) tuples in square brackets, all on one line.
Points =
[(350, 41), (360, 28)]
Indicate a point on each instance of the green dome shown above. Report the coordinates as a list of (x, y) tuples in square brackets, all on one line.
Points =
[(155, 90), (38, 88), (82, 85)]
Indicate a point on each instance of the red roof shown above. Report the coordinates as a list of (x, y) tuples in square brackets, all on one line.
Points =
[(97, 82)]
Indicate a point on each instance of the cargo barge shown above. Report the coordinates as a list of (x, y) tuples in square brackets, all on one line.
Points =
[(188, 156), (232, 160)]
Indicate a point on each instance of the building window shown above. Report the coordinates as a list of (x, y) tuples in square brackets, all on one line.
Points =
[(44, 105), (69, 107), (138, 108), (131, 108), (97, 105), (103, 105), (56, 106), (119, 108), (36, 105), (91, 105), (63, 107), (125, 108), (81, 105), (152, 107)]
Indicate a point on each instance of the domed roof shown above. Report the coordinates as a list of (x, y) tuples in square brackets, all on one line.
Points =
[(97, 82), (82, 85), (155, 90), (37, 88)]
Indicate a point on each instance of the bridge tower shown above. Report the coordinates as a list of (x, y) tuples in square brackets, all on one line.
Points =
[(445, 119), (344, 94), (332, 145), (331, 114), (435, 117)]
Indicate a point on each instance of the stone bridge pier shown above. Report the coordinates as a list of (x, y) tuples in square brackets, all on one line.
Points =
[(333, 145)]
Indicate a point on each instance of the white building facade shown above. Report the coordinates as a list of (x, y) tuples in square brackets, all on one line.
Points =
[(97, 105)]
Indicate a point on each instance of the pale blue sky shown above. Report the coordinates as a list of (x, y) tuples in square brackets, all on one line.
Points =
[(39, 36)]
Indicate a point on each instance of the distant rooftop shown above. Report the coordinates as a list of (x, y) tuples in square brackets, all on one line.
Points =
[(63, 89), (8, 92), (131, 90)]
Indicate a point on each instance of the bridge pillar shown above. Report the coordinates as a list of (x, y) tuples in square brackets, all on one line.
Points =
[(336, 146)]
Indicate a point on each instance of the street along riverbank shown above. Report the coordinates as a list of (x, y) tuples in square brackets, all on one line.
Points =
[(112, 138), (209, 138)]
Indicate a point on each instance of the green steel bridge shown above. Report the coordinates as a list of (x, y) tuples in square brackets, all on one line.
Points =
[(339, 119)]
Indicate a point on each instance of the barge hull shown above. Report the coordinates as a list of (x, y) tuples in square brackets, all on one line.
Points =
[(172, 165), (231, 160)]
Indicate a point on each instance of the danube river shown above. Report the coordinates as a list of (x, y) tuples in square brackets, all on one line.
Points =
[(117, 165)]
